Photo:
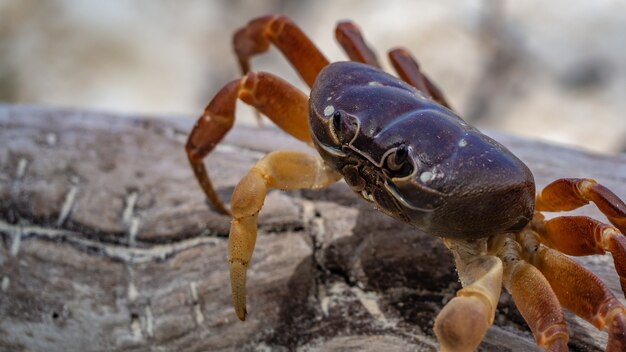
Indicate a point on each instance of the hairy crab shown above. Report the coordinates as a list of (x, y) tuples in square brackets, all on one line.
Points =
[(398, 144)]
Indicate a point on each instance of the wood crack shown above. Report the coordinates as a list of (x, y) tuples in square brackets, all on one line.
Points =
[(133, 255)]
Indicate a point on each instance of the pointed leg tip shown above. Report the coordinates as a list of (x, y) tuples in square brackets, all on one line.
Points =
[(242, 315), (238, 285)]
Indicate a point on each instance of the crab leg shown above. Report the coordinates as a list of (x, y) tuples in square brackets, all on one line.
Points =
[(349, 37), (351, 40), (534, 298), (571, 193), (283, 170), (581, 235), (463, 322), (581, 292), (280, 101), (256, 37), (409, 70)]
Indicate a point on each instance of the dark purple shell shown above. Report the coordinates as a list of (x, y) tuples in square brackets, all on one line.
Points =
[(463, 184)]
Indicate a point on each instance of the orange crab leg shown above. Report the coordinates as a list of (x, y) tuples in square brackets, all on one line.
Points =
[(409, 70), (534, 298), (584, 294), (581, 235), (283, 170), (351, 40), (281, 102), (571, 193), (349, 37), (463, 322), (255, 38)]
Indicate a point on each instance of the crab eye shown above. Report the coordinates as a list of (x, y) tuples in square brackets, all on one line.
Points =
[(397, 162), (336, 121), (343, 127)]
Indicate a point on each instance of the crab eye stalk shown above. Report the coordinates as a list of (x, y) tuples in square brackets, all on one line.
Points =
[(399, 157), (397, 163), (343, 127), (336, 121)]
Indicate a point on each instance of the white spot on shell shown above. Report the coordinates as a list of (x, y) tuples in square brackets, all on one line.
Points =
[(329, 110), (462, 143), (426, 176), (374, 83)]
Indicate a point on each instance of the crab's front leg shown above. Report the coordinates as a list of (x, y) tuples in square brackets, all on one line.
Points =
[(534, 297), (463, 322), (282, 170), (256, 37), (284, 104)]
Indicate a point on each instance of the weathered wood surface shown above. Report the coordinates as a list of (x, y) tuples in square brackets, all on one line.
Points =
[(108, 244)]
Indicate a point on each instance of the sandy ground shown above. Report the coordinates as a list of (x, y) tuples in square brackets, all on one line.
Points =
[(550, 70)]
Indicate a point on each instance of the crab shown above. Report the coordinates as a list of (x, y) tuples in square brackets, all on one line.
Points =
[(398, 144)]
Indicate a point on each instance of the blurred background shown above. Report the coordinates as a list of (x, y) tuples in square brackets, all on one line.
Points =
[(553, 70)]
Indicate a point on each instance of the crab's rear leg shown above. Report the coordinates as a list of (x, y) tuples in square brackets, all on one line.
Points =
[(409, 70), (351, 40), (463, 322), (283, 170), (256, 37), (581, 235), (349, 37), (571, 193), (282, 103), (580, 291)]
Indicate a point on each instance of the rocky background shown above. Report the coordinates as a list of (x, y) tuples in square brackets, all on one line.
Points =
[(553, 70), (107, 244)]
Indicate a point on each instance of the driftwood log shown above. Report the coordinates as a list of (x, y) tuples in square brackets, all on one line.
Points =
[(108, 244)]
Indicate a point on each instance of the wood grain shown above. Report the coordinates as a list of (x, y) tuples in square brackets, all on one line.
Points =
[(108, 244)]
